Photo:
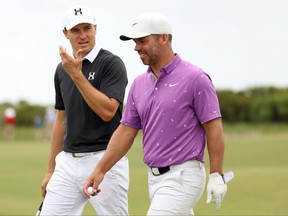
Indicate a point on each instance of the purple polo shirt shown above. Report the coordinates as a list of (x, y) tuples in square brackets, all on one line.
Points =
[(170, 111)]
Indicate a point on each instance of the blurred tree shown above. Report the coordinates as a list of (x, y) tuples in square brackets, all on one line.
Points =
[(258, 104), (25, 112), (235, 106)]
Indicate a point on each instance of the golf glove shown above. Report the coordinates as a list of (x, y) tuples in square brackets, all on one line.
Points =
[(216, 189)]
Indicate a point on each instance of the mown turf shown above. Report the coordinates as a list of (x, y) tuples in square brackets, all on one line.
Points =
[(256, 153)]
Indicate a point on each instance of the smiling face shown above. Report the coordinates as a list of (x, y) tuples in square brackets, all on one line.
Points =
[(149, 49), (81, 36)]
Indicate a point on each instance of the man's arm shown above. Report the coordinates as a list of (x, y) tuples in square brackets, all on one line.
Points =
[(119, 144), (215, 144), (57, 138), (216, 188), (102, 105)]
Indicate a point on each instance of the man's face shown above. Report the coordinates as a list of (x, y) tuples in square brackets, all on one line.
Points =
[(82, 36), (149, 49)]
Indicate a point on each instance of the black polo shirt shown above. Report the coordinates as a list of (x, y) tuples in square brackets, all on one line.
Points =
[(85, 130)]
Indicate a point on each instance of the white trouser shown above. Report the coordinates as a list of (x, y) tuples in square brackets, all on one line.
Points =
[(177, 191), (64, 190)]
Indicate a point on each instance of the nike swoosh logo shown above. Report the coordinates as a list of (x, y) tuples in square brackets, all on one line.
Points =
[(172, 85)]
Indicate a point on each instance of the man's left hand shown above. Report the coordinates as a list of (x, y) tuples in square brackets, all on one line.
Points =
[(216, 189)]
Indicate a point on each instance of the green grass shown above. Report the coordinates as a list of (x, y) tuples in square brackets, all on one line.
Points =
[(256, 153)]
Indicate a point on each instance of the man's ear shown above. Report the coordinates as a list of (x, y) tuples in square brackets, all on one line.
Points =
[(164, 38)]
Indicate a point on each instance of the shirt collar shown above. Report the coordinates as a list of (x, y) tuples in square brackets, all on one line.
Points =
[(170, 66), (92, 54)]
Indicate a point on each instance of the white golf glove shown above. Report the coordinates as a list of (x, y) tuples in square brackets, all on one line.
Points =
[(216, 189)]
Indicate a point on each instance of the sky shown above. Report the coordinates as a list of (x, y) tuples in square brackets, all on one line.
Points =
[(239, 43)]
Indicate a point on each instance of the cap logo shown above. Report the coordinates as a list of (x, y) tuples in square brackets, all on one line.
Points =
[(78, 10)]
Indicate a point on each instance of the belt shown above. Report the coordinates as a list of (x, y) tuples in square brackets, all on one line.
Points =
[(83, 154), (156, 171)]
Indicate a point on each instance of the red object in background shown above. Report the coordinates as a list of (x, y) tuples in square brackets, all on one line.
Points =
[(10, 120)]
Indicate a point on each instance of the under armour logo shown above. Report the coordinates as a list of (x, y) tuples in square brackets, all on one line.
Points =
[(91, 76), (78, 10)]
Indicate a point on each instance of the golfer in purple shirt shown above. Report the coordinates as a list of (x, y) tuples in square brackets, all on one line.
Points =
[(176, 106)]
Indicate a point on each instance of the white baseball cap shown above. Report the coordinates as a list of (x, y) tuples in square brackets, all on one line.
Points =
[(147, 24), (76, 15)]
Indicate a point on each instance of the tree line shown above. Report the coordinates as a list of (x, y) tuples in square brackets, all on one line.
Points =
[(255, 105), (261, 104)]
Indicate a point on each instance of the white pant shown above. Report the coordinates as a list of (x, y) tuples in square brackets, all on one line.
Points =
[(177, 191), (64, 190)]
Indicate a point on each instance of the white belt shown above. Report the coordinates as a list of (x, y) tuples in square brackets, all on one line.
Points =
[(83, 154)]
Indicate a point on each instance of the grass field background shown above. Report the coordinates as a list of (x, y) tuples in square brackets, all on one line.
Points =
[(256, 153)]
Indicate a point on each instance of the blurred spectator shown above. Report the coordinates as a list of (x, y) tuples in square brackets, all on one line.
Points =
[(49, 120), (39, 126), (9, 124)]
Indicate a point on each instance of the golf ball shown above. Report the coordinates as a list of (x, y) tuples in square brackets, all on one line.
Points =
[(90, 190)]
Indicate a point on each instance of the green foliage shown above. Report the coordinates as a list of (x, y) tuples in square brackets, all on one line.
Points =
[(270, 107), (260, 104), (234, 105), (281, 107), (267, 104), (25, 112), (261, 110)]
